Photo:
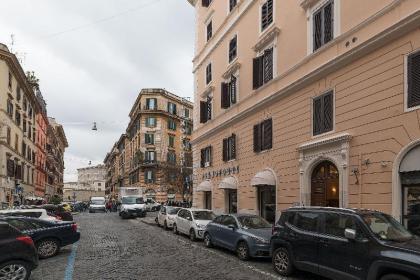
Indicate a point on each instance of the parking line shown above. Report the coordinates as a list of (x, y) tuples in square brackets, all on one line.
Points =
[(68, 275)]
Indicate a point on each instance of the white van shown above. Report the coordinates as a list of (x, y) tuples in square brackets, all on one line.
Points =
[(97, 204)]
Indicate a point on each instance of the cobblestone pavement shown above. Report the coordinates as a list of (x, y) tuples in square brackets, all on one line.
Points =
[(112, 248)]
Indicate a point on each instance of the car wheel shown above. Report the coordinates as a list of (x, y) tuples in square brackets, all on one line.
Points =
[(15, 270), (175, 229), (192, 235), (207, 240), (242, 251), (394, 277), (282, 262), (165, 226), (47, 248), (157, 222)]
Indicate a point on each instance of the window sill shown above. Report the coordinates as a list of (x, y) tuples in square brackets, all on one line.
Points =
[(323, 134), (208, 89), (263, 152)]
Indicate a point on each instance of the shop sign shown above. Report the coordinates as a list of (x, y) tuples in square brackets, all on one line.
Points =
[(221, 172)]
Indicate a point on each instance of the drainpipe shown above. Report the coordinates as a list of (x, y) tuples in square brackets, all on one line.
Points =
[(360, 180)]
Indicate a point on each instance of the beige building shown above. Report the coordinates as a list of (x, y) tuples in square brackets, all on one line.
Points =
[(92, 177), (155, 152), (18, 107), (309, 102)]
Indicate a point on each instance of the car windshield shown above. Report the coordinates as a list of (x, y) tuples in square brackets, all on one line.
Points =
[(132, 200), (97, 202), (203, 215), (386, 228), (172, 210), (253, 222)]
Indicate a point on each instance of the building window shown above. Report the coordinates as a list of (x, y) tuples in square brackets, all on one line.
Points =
[(208, 74), (229, 92), (263, 136), (151, 103), (266, 14), (413, 80), (18, 94), (232, 4), (186, 144), (209, 30), (150, 122), (25, 105), (149, 176), (206, 155), (172, 108), (9, 136), (205, 3), (263, 68), (24, 125), (171, 124), (10, 80), (229, 148), (205, 110), (150, 156), (23, 149), (233, 48), (17, 117), (188, 129), (323, 113), (10, 108), (171, 157), (171, 141), (149, 138), (323, 25), (186, 113)]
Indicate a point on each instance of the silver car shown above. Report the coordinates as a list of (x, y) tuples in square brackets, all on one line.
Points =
[(192, 222), (166, 216)]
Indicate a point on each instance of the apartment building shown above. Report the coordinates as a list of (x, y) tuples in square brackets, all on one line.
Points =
[(18, 109), (155, 153), (308, 102), (41, 119), (92, 177)]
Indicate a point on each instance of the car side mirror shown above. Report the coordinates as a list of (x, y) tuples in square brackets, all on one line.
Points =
[(350, 234), (232, 227)]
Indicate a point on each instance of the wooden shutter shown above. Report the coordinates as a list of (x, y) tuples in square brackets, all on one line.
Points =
[(169, 107), (268, 134), (268, 65), (10, 168), (211, 154), (317, 116), (233, 146), (328, 22), (225, 149), (413, 79), (225, 95), (205, 3), (317, 29), (257, 138), (203, 111), (233, 88), (174, 112), (208, 104), (203, 151), (328, 112), (258, 72)]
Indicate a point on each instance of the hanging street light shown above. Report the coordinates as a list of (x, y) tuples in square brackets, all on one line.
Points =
[(94, 127)]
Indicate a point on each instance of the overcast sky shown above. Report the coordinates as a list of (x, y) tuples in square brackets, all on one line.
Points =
[(92, 58)]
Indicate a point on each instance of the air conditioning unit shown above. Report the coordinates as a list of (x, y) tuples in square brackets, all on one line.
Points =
[(207, 164)]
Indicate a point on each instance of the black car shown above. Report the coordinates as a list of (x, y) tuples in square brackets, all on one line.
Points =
[(18, 255), (48, 237), (344, 244)]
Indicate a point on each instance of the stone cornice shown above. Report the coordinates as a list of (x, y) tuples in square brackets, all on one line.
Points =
[(266, 38), (232, 69), (340, 138)]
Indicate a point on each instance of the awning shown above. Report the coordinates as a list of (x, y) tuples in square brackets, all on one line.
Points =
[(204, 186), (411, 161), (229, 183), (265, 177)]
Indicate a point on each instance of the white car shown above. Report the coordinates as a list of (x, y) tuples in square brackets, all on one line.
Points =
[(166, 216), (192, 222), (33, 213), (152, 205)]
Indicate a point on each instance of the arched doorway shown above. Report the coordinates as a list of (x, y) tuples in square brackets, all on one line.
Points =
[(325, 189)]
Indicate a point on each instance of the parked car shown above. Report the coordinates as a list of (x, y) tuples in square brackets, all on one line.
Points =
[(18, 254), (152, 205), (58, 211), (31, 212), (247, 235), (131, 207), (97, 204), (344, 244), (192, 222), (48, 237), (166, 216)]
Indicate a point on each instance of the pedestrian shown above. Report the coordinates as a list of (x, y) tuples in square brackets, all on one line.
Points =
[(108, 206)]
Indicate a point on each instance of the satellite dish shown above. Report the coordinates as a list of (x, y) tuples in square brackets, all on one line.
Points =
[(94, 127)]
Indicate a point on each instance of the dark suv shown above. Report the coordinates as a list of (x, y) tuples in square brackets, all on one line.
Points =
[(344, 244)]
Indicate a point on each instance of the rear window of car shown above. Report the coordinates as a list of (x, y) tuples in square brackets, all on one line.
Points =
[(307, 221), (26, 214), (20, 224)]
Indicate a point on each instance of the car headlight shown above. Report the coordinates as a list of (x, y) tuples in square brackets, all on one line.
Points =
[(171, 218), (260, 240), (200, 226)]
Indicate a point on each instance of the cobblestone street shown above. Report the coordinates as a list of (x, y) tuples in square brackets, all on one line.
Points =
[(112, 248)]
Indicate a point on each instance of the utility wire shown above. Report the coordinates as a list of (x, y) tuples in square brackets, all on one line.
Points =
[(101, 20)]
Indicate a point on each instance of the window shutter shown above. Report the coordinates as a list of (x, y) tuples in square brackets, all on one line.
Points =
[(205, 3), (317, 29), (328, 112), (225, 95), (257, 72), (257, 138), (268, 134), (203, 111), (174, 112), (208, 116), (225, 149), (328, 23), (317, 118), (413, 79), (10, 168), (233, 147), (268, 65), (233, 88), (211, 154), (203, 151)]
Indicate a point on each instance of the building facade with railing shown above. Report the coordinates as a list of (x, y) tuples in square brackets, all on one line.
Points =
[(310, 102)]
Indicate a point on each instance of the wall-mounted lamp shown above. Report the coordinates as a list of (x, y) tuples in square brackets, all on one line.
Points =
[(355, 171)]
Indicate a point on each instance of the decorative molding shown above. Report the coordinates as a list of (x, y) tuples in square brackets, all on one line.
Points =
[(232, 69), (207, 91), (344, 137), (267, 38)]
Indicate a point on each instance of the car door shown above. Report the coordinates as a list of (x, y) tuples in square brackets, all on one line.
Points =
[(162, 216), (213, 228), (187, 222), (303, 235), (180, 219), (229, 235), (341, 257)]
